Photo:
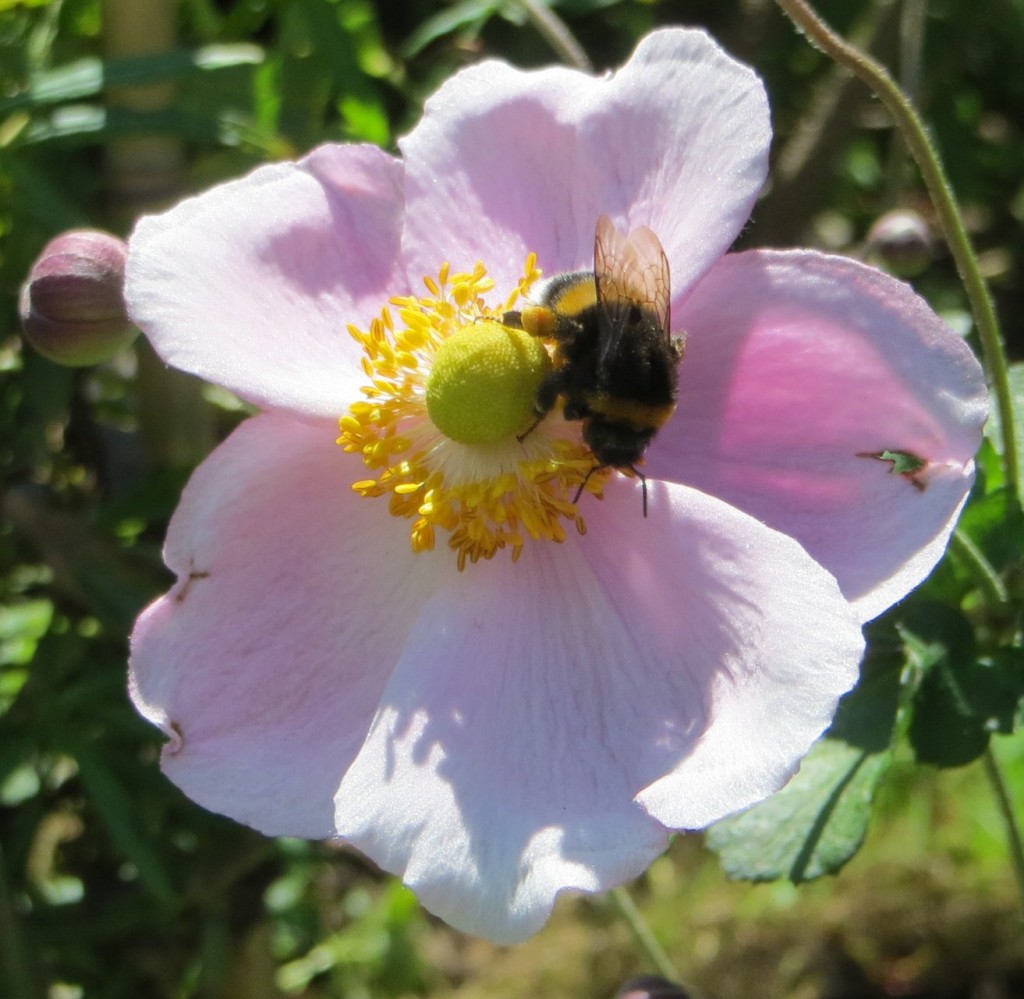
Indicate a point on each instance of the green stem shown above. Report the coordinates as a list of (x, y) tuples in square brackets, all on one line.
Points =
[(623, 901), (912, 21), (973, 559), (911, 36), (557, 34), (1009, 816), (15, 964), (933, 174), (143, 173)]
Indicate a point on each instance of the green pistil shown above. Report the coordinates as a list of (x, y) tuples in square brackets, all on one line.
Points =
[(483, 382)]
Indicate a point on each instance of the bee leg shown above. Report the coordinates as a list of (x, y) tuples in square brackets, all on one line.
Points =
[(643, 484), (586, 479), (529, 430), (547, 395)]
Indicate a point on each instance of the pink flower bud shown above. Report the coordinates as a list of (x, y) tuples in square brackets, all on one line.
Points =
[(72, 305), (901, 242)]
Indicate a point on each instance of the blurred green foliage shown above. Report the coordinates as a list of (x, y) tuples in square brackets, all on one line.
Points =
[(111, 883)]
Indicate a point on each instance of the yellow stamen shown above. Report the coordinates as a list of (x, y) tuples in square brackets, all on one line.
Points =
[(490, 490)]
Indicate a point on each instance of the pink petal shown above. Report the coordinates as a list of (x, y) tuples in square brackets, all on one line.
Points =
[(265, 662), (798, 368), (535, 701), (251, 285), (505, 161)]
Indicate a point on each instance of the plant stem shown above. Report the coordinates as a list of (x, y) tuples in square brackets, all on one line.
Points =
[(144, 173), (15, 964), (643, 934), (802, 164), (1009, 816), (911, 45), (557, 34), (973, 559), (912, 20), (933, 174)]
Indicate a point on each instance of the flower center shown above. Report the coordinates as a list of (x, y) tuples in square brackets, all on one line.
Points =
[(483, 382), (446, 426)]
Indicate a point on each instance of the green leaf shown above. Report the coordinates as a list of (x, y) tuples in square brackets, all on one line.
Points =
[(990, 466), (581, 8), (933, 633), (90, 124), (813, 826), (944, 730), (365, 121), (866, 717), (957, 707), (468, 15), (818, 821), (995, 687), (16, 751), (89, 77), (48, 205), (959, 698), (993, 429), (344, 58), (21, 627), (995, 524)]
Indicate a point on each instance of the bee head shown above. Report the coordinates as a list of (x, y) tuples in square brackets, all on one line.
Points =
[(614, 443)]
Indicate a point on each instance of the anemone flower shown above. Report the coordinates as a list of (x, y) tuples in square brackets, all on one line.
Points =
[(395, 622)]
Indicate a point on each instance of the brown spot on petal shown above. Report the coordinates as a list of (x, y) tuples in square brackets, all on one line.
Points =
[(904, 463), (187, 586)]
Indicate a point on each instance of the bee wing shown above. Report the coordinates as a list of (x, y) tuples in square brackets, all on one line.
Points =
[(629, 270), (653, 279)]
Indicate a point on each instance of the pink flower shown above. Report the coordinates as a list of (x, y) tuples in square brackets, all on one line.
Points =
[(501, 733)]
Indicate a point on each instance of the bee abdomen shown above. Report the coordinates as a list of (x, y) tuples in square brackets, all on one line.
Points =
[(640, 416)]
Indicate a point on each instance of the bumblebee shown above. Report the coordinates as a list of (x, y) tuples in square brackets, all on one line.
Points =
[(615, 358)]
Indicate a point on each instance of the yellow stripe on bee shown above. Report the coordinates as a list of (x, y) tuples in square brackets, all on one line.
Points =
[(576, 297), (568, 302), (639, 415), (539, 321)]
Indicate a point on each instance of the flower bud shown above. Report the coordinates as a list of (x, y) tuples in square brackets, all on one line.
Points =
[(901, 242), (651, 987), (72, 305)]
